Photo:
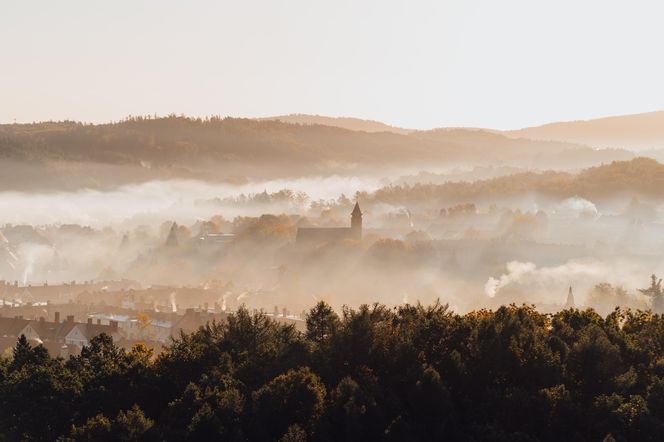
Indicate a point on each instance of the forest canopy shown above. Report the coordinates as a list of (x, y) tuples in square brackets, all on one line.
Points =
[(376, 373), (641, 176)]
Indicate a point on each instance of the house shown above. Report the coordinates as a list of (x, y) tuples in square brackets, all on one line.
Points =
[(81, 333), (133, 328), (12, 327), (60, 338)]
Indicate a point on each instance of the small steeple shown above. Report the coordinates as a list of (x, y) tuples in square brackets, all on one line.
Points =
[(570, 299), (356, 210), (356, 222)]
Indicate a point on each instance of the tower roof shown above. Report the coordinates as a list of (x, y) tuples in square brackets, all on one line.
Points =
[(569, 303), (356, 209), (172, 239)]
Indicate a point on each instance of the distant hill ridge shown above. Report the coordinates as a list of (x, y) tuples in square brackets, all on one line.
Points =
[(637, 131), (185, 141), (355, 124), (70, 154)]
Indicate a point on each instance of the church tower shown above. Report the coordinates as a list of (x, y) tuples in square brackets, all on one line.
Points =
[(569, 303), (356, 222)]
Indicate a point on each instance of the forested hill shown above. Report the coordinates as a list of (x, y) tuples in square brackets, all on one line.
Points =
[(185, 141), (640, 176), (343, 122)]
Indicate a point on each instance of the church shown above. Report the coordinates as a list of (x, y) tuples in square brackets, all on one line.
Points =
[(331, 234)]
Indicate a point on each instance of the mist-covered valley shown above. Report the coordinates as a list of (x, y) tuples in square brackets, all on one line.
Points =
[(469, 217)]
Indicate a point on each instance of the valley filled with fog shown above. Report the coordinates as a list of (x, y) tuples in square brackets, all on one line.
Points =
[(440, 220)]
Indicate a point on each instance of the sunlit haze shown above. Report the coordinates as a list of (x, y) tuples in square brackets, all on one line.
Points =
[(314, 221), (417, 64)]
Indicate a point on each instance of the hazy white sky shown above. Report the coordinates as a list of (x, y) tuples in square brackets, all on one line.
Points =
[(421, 64)]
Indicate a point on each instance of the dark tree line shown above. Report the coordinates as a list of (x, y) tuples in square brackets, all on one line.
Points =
[(409, 373)]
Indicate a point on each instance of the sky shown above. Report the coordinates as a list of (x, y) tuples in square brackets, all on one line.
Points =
[(417, 64)]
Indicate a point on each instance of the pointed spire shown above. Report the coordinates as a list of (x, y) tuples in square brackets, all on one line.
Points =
[(172, 240), (570, 299), (356, 222)]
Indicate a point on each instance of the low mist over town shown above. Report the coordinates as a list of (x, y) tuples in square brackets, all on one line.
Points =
[(195, 232), (318, 222)]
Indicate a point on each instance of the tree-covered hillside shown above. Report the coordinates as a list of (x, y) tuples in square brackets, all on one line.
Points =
[(176, 140), (640, 176), (375, 373)]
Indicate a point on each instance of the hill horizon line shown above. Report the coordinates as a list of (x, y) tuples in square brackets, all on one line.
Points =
[(340, 120)]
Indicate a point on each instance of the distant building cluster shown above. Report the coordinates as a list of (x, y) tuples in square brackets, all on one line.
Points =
[(61, 338), (64, 318)]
